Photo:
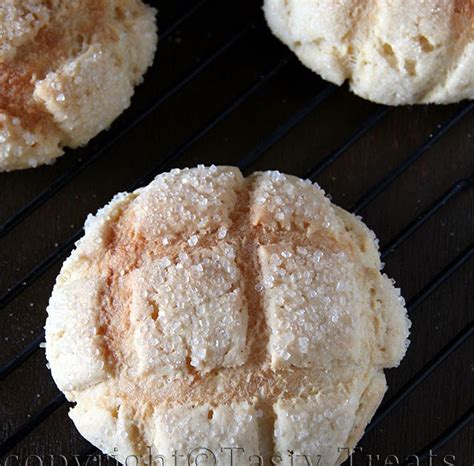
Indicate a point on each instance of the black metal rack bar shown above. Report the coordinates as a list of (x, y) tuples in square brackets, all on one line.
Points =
[(421, 376), (446, 436), (326, 162), (454, 191), (388, 179)]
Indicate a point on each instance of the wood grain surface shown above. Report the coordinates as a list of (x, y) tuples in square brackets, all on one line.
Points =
[(292, 122)]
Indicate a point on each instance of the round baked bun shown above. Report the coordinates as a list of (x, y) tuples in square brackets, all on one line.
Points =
[(391, 52), (67, 69), (212, 310)]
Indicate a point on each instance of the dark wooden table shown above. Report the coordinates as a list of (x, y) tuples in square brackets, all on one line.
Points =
[(223, 90)]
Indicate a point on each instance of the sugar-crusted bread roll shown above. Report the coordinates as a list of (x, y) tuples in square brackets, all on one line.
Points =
[(212, 310), (67, 70), (390, 51)]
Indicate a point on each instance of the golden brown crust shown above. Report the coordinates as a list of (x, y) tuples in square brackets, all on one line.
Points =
[(60, 39), (51, 35), (463, 22), (126, 251)]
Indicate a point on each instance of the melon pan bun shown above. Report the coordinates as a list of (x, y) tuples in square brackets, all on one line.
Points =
[(209, 309), (67, 70), (390, 51)]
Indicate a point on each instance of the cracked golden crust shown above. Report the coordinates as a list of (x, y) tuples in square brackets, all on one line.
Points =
[(149, 341), (54, 58), (389, 52)]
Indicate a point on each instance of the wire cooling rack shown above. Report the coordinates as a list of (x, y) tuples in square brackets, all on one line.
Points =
[(224, 91)]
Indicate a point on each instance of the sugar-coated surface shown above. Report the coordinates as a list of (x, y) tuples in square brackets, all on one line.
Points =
[(211, 310), (392, 52), (189, 310), (184, 429), (181, 203), (312, 305), (316, 424), (67, 70)]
